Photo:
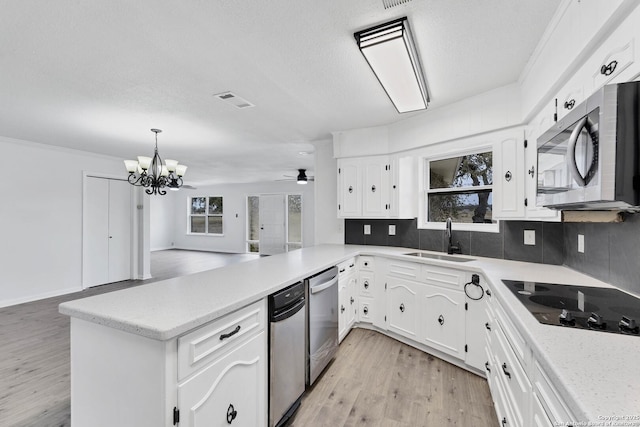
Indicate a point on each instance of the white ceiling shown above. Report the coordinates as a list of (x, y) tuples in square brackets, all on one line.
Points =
[(97, 75)]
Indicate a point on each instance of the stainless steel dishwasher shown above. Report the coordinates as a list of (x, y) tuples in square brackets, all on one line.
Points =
[(322, 319), (287, 352)]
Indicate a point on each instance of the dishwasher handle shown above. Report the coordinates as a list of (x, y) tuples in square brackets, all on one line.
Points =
[(287, 312), (321, 287)]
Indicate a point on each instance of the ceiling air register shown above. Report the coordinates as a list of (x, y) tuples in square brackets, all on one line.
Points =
[(391, 53)]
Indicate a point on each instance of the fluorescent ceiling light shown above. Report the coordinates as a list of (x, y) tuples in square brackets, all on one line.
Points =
[(390, 51)]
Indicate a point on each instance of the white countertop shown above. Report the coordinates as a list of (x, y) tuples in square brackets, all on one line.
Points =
[(598, 374)]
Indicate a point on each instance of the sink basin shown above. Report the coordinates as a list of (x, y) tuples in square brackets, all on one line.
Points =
[(440, 257)]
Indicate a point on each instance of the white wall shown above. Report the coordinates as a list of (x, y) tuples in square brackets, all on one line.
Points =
[(328, 228), (489, 111), (41, 218), (163, 219), (235, 213)]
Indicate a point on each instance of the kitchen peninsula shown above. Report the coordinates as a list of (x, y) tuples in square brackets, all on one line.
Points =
[(137, 354)]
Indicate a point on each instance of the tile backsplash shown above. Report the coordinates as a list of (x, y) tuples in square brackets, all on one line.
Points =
[(611, 250)]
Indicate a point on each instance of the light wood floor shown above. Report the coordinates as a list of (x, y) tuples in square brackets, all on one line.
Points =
[(380, 382), (34, 343)]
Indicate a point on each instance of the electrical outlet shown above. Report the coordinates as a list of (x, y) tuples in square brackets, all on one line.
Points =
[(392, 230), (530, 237), (367, 229), (581, 243)]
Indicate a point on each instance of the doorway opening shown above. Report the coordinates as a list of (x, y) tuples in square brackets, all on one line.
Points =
[(274, 223)]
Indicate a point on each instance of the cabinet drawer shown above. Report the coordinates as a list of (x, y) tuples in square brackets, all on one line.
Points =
[(346, 267), (445, 277), (198, 348), (550, 399), (366, 284), (365, 314), (510, 372), (366, 263), (514, 337), (405, 270)]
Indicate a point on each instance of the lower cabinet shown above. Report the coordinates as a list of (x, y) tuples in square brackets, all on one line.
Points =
[(402, 307), (228, 391), (347, 301), (442, 319)]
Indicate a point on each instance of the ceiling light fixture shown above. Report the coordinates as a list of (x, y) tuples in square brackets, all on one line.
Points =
[(153, 174), (391, 53)]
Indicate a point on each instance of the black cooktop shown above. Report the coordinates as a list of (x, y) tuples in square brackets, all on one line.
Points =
[(583, 307)]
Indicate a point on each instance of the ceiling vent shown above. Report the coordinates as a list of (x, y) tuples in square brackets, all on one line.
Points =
[(388, 4), (234, 100)]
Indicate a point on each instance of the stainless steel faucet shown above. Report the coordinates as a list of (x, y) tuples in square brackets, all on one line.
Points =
[(451, 249)]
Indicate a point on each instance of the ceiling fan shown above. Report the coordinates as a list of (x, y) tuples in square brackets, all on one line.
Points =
[(302, 177)]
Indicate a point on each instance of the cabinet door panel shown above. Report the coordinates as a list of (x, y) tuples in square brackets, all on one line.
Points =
[(349, 189), (509, 178), (234, 383), (402, 307), (442, 325), (375, 188)]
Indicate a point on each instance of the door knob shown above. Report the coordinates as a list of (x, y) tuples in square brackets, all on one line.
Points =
[(402, 308)]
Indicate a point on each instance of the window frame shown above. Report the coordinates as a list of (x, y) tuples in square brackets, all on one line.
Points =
[(206, 215), (424, 191)]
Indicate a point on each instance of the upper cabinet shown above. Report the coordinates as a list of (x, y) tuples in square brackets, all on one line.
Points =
[(376, 187), (514, 171)]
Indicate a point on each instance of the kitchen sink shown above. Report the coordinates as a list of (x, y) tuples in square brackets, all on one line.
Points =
[(440, 257)]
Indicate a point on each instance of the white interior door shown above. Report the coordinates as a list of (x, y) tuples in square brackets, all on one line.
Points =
[(95, 251), (106, 250), (119, 230), (272, 224)]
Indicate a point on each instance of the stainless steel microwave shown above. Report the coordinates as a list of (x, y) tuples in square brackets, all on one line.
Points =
[(590, 160)]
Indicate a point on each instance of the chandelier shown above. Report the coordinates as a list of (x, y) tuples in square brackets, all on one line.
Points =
[(153, 174)]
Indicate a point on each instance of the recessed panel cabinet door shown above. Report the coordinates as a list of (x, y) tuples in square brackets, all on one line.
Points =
[(375, 188), (442, 321), (349, 203), (230, 391), (402, 306)]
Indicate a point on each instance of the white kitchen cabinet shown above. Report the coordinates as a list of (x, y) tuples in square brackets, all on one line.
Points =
[(376, 187), (123, 379), (402, 307), (539, 417), (476, 323), (347, 293), (222, 371), (546, 396), (508, 177), (349, 188), (230, 390), (366, 289), (442, 319)]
